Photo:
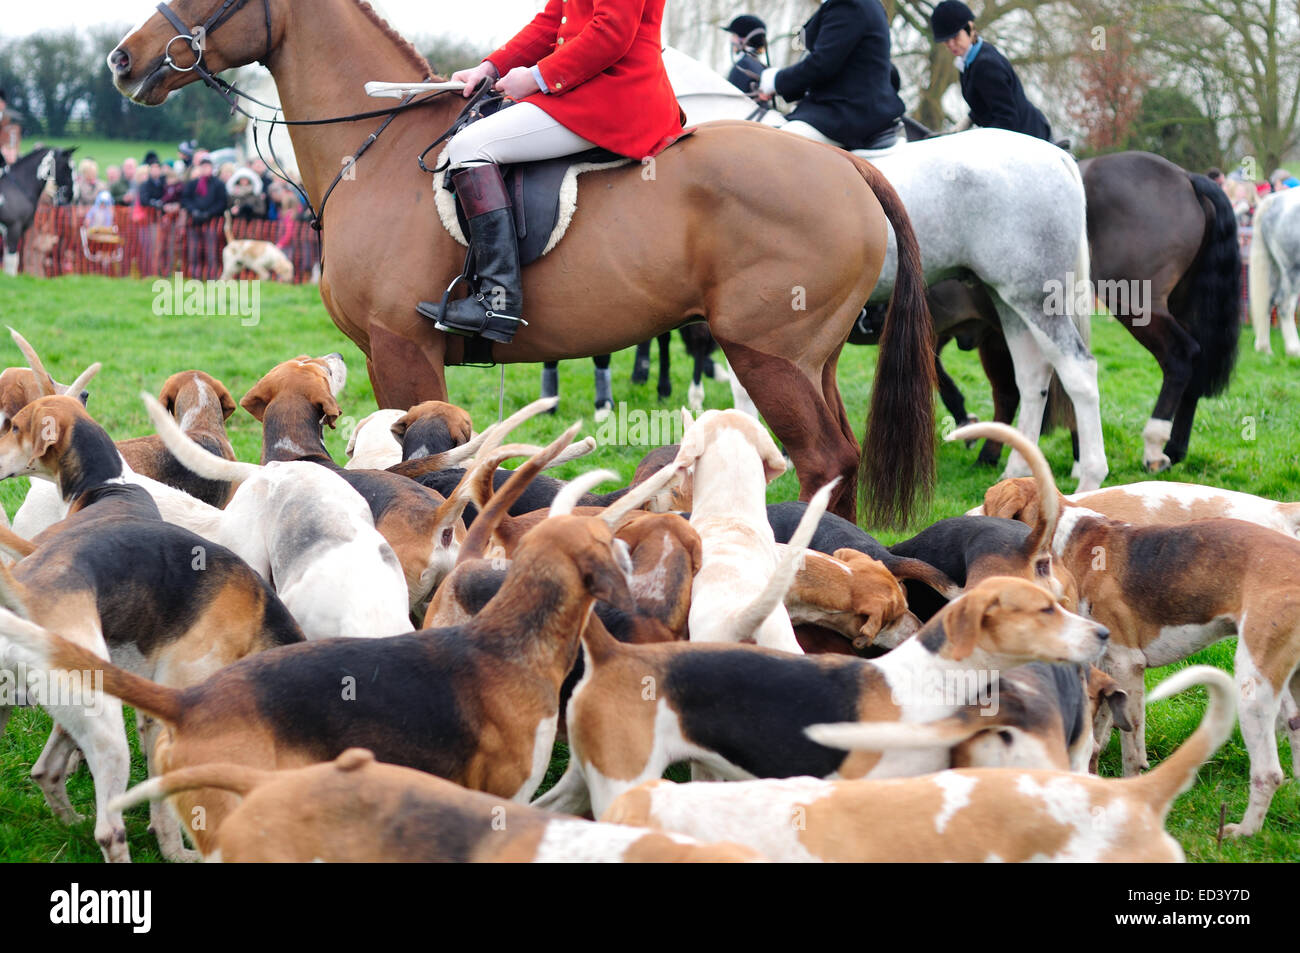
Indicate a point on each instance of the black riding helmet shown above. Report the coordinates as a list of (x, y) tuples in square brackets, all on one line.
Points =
[(751, 30), (949, 18)]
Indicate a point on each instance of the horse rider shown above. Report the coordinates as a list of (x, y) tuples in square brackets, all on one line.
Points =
[(578, 80), (842, 83), (748, 43), (988, 83)]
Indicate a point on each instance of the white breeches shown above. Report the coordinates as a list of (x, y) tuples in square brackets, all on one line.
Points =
[(521, 133), (800, 128)]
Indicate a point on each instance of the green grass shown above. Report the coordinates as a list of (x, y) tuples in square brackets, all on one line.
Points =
[(1247, 440), (106, 152)]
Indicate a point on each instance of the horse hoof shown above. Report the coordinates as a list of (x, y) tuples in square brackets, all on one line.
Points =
[(1291, 353), (603, 411)]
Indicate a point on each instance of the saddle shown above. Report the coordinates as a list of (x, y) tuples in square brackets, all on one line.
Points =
[(538, 195)]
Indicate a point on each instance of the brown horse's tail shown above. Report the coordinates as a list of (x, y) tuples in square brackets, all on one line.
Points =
[(897, 466)]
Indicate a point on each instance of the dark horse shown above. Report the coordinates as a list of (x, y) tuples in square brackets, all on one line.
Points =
[(21, 185), (1167, 265), (777, 253)]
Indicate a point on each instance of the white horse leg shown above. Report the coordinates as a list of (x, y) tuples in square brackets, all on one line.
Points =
[(1033, 373), (1059, 344), (11, 264), (1260, 281), (1286, 319)]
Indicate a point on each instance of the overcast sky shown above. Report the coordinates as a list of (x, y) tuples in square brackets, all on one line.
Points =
[(484, 21)]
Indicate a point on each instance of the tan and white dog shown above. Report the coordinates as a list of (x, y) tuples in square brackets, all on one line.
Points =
[(961, 816), (356, 810), (372, 445), (739, 710), (1152, 503), (1166, 592), (262, 258), (739, 592)]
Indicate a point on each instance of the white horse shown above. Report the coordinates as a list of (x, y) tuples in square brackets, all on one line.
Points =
[(1275, 269), (1005, 208)]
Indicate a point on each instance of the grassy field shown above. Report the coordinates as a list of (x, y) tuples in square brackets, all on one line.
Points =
[(108, 152), (1247, 440)]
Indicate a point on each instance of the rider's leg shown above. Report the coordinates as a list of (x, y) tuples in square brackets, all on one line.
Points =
[(522, 133), (801, 128)]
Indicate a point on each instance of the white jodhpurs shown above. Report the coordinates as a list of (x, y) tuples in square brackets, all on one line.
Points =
[(800, 128), (521, 133)]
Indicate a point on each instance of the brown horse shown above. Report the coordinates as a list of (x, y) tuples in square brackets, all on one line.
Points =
[(774, 240)]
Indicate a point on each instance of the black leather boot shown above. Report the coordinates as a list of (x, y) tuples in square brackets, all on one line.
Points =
[(494, 310)]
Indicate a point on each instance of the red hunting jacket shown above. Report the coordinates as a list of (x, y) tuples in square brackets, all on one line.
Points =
[(602, 61)]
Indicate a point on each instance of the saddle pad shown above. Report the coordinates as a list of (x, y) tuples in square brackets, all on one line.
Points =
[(549, 191)]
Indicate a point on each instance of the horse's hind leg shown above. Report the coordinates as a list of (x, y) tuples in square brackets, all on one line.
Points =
[(604, 387), (1001, 372), (665, 365), (12, 241), (1176, 352), (806, 417), (1057, 346), (641, 363), (1286, 315)]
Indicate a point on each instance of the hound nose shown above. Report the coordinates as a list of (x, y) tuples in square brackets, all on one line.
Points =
[(119, 61), (1103, 633)]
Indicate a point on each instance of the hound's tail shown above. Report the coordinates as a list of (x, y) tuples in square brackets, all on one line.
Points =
[(14, 545), (1263, 279), (190, 454), (229, 219), (1177, 772), (235, 778), (896, 470), (899, 735), (50, 651), (1038, 545), (751, 616)]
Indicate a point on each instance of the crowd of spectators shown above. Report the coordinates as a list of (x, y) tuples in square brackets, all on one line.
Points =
[(186, 199)]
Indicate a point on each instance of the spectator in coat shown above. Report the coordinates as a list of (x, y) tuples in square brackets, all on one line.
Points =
[(842, 83), (988, 83), (204, 201)]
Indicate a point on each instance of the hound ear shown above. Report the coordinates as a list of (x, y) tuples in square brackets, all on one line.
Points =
[(45, 431), (257, 398), (401, 425), (1104, 690), (964, 618), (1015, 499), (773, 461), (227, 402), (170, 390), (605, 578), (329, 409)]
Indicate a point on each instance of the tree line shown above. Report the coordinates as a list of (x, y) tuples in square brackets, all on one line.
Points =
[(1202, 82)]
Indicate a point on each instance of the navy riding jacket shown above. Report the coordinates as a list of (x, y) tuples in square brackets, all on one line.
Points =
[(996, 98), (842, 84)]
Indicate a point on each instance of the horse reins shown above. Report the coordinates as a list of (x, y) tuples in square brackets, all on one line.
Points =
[(196, 39)]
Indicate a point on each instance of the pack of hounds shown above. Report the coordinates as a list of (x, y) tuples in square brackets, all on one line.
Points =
[(374, 662)]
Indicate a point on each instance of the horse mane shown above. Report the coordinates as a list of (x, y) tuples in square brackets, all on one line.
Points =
[(408, 49)]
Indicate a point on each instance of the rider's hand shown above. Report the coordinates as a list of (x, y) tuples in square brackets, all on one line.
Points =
[(472, 77), (518, 83)]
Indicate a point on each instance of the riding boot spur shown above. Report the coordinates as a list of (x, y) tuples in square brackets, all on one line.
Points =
[(494, 310)]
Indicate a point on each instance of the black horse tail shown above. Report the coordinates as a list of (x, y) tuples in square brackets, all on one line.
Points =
[(896, 471), (1212, 292)]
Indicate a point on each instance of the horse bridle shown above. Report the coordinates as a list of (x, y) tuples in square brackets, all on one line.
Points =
[(196, 38)]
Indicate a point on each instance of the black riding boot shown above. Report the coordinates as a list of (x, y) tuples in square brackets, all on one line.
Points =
[(494, 310)]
